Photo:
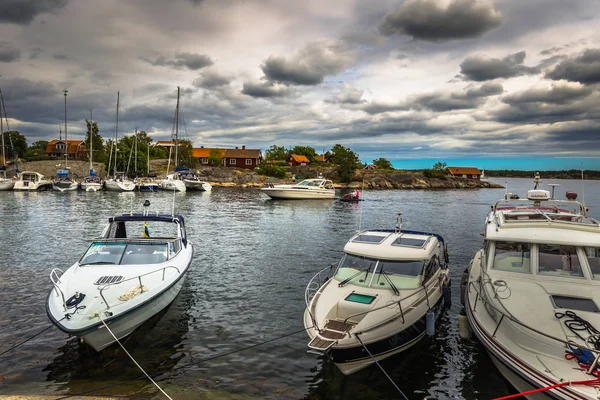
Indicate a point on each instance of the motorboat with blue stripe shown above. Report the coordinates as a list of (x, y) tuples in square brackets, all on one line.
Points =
[(380, 299), (532, 294), (130, 273)]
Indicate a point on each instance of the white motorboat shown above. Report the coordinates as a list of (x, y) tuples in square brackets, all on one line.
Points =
[(146, 184), (6, 183), (532, 297), (91, 183), (378, 298), (64, 181), (308, 189), (132, 272), (170, 182), (120, 183), (30, 180), (193, 182)]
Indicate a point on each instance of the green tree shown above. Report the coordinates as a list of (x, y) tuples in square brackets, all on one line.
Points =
[(37, 149), (383, 163), (307, 151), (346, 161), (184, 154), (40, 144), (98, 144), (19, 142), (215, 157), (437, 171), (276, 153)]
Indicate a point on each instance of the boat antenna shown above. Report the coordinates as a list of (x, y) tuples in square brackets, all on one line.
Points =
[(66, 136), (173, 207), (505, 190), (582, 187), (359, 207), (398, 222)]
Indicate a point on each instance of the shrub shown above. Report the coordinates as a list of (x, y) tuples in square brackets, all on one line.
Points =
[(271, 170)]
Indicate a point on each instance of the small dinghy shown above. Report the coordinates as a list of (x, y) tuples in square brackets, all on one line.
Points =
[(380, 299), (128, 275)]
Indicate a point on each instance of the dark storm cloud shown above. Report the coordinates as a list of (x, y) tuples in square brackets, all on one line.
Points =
[(483, 68), (266, 89), (191, 61), (431, 20), (60, 56), (584, 68), (347, 95), (468, 99), (8, 53), (211, 79), (35, 52), (551, 50), (557, 94), (24, 11), (310, 66)]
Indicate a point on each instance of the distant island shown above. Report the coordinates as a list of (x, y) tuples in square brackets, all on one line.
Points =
[(564, 174)]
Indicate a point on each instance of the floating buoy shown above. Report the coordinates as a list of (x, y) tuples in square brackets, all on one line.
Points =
[(463, 325), (430, 323), (447, 295)]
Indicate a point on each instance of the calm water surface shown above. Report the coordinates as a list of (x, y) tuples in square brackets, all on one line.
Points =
[(253, 258)]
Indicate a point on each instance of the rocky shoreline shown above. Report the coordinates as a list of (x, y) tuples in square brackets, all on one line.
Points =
[(228, 177)]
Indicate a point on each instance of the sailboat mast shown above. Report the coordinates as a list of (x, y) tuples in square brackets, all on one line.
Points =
[(116, 137), (66, 137), (176, 126), (135, 159), (2, 132), (148, 159), (91, 141)]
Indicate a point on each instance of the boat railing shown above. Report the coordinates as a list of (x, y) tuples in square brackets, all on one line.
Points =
[(510, 317), (398, 302), (313, 287), (139, 278), (55, 278)]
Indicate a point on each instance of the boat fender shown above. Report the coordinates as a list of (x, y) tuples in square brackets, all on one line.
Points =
[(447, 295), (464, 279), (463, 325), (430, 323), (74, 300)]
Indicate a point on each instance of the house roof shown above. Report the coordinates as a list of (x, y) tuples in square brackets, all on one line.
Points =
[(320, 158), (464, 171), (164, 143), (204, 152), (299, 159), (72, 149)]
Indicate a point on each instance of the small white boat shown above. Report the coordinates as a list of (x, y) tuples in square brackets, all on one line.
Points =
[(6, 183), (120, 183), (64, 181), (91, 183), (145, 184), (172, 183), (532, 294), (387, 284), (308, 189), (132, 272), (31, 180), (193, 182)]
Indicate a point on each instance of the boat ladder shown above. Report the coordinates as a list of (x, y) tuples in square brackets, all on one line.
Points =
[(331, 333)]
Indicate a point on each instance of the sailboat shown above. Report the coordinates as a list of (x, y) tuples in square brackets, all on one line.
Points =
[(119, 182), (145, 183), (5, 183), (92, 182), (64, 180), (172, 181)]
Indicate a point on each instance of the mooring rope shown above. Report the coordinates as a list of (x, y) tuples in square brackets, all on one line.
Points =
[(381, 368), (130, 356)]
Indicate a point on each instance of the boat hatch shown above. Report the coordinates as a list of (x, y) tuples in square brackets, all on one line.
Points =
[(360, 298), (103, 280), (574, 303), (366, 238), (409, 242)]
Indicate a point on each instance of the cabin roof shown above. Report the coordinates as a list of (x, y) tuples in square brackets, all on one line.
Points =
[(463, 171), (72, 148), (299, 158), (391, 245), (148, 217)]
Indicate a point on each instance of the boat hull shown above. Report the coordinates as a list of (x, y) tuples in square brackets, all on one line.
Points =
[(91, 187), (148, 188), (120, 186), (197, 186), (100, 338), (298, 194), (172, 185), (65, 187), (29, 186), (7, 185)]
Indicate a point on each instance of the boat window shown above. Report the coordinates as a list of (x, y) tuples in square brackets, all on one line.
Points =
[(409, 242), (574, 303), (103, 253), (329, 185), (366, 238), (593, 257), (512, 256), (431, 268), (559, 260), (144, 253), (403, 267)]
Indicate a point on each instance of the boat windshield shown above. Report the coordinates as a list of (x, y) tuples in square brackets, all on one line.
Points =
[(559, 260), (593, 257), (404, 274), (512, 256), (122, 253), (309, 184)]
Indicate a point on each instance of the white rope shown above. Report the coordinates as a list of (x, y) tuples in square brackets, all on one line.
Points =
[(132, 359), (380, 367)]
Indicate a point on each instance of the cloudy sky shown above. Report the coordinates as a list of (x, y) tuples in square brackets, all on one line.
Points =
[(495, 84)]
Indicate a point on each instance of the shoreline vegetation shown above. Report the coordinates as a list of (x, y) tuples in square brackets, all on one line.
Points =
[(234, 177)]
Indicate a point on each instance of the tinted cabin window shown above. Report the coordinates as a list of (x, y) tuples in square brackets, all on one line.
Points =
[(432, 266), (593, 257), (512, 256), (559, 260), (404, 267)]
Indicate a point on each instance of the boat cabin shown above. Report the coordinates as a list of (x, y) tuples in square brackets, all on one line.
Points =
[(390, 259), (134, 239), (315, 184)]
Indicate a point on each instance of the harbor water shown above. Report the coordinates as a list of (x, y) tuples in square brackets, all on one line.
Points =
[(253, 257)]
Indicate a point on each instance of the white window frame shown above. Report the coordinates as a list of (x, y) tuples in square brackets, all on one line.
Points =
[(205, 161), (248, 161), (232, 161)]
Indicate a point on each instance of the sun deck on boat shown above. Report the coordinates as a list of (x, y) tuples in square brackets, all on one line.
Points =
[(389, 244)]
